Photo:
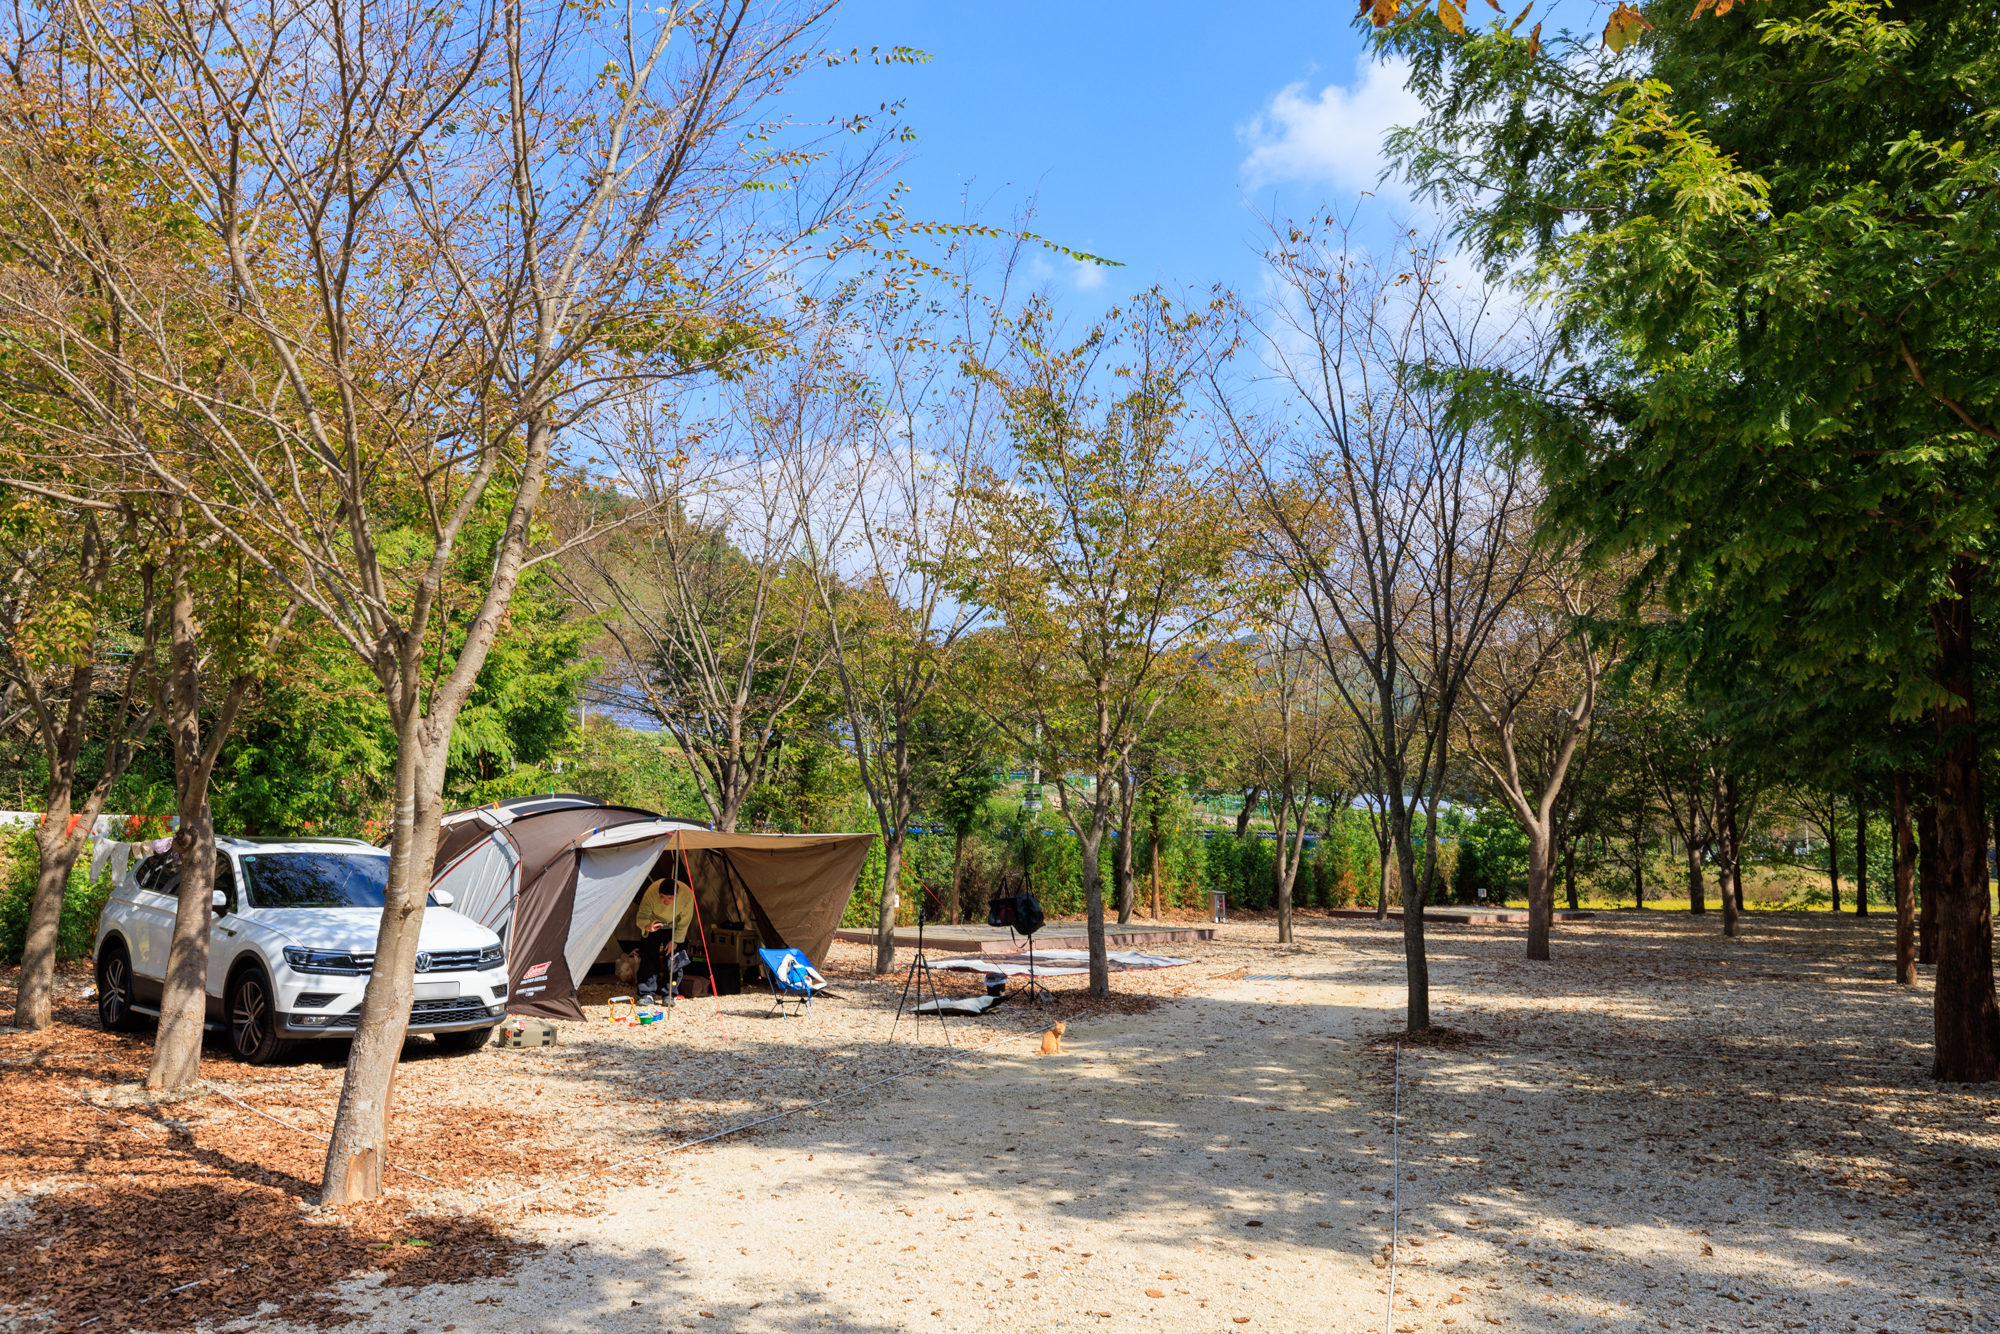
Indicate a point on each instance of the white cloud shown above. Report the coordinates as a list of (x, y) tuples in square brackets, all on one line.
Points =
[(1088, 277), (1079, 275), (1336, 136)]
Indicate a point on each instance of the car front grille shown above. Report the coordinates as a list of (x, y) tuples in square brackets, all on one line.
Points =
[(454, 961)]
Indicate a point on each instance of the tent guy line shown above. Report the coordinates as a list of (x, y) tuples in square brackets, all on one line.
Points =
[(301, 1130), (101, 1112)]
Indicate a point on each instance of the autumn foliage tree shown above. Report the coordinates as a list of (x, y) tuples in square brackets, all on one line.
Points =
[(1109, 557), (432, 244)]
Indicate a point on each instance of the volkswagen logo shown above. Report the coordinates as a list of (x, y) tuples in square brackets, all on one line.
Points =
[(423, 961)]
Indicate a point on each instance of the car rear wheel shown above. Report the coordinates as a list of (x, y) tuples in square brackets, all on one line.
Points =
[(114, 989), (253, 1019), (465, 1039)]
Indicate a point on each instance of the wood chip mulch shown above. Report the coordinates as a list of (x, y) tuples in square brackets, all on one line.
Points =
[(108, 1202)]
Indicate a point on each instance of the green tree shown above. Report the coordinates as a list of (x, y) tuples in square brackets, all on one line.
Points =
[(1769, 233)]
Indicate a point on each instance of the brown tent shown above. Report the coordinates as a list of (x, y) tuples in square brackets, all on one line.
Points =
[(558, 879)]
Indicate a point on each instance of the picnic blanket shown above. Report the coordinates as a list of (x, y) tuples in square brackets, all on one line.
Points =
[(1056, 963)]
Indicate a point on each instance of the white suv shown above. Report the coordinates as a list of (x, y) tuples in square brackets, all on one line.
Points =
[(290, 947)]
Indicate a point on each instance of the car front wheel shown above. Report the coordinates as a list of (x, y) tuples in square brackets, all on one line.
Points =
[(114, 990), (253, 1019)]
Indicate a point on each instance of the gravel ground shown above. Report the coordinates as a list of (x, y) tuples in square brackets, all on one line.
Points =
[(1661, 1129)]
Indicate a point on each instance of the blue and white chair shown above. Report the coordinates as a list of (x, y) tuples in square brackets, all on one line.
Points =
[(793, 979)]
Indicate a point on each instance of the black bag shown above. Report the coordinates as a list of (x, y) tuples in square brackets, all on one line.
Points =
[(1019, 911)]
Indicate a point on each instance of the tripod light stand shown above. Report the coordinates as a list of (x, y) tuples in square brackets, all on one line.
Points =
[(918, 977), (1022, 915)]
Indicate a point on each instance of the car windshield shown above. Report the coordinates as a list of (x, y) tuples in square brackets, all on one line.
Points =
[(315, 880)]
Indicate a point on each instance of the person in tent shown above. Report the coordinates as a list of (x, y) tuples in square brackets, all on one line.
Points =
[(663, 921)]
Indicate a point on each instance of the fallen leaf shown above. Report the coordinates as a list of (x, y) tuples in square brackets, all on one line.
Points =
[(1154, 1292)]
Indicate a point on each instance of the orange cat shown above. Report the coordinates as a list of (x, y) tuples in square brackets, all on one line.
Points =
[(1052, 1040)]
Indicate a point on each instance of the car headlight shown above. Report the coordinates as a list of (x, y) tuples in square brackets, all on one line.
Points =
[(337, 963), (493, 956)]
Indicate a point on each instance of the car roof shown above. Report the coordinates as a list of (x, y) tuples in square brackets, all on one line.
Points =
[(299, 843)]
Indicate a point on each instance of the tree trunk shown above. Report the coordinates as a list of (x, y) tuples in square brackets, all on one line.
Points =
[(1639, 867), (1965, 1015), (1383, 848), (1416, 964), (1243, 816), (1733, 836), (1725, 843), (1833, 869), (1697, 893), (1906, 897), (1569, 875), (885, 921), (1153, 818), (1284, 872), (59, 841), (1541, 892), (1860, 858), (951, 908), (1121, 854), (184, 997), (1093, 899), (184, 993), (358, 1156), (64, 830), (1928, 866)]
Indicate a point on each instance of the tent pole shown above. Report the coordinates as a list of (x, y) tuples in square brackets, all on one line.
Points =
[(689, 874)]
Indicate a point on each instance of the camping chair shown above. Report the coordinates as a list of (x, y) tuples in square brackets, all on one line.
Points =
[(793, 978)]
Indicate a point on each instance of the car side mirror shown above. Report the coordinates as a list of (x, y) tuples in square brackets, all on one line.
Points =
[(441, 898), (218, 900)]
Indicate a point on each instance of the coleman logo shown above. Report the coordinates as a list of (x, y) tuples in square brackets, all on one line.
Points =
[(536, 973)]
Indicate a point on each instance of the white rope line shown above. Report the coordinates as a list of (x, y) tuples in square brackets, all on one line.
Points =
[(101, 1112), (764, 1121), (301, 1130), (168, 1293), (1396, 1189)]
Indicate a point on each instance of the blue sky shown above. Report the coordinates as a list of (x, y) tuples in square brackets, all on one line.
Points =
[(1154, 135)]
